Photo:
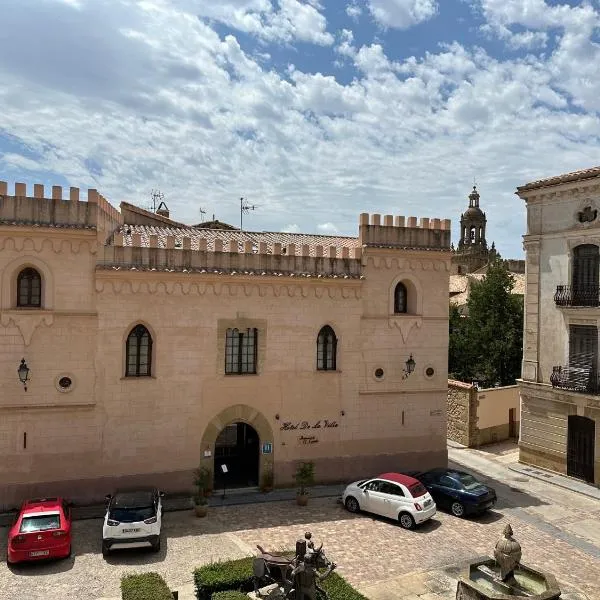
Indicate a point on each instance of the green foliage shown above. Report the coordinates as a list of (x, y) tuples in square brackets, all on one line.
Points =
[(233, 575), (229, 595), (305, 476), (145, 586), (230, 580), (267, 478), (203, 482), (487, 345)]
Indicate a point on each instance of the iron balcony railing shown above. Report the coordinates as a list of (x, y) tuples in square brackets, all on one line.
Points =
[(575, 379), (568, 295)]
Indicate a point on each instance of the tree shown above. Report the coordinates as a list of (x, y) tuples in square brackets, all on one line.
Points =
[(488, 344)]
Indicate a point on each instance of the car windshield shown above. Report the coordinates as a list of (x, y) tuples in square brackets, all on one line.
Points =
[(131, 514), (417, 490), (468, 481), (40, 523)]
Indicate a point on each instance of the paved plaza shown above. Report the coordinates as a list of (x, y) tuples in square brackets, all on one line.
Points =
[(558, 530)]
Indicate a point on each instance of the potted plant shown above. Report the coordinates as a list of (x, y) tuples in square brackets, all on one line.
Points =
[(202, 482), (266, 481), (305, 477)]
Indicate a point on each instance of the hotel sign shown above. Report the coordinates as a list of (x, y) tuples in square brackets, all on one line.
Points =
[(304, 425)]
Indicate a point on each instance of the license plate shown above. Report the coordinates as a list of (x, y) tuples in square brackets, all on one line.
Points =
[(40, 553), (130, 530)]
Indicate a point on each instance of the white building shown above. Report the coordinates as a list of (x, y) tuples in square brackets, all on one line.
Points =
[(560, 389)]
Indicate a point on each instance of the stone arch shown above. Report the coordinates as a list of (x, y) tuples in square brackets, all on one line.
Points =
[(8, 295), (414, 294), (239, 413)]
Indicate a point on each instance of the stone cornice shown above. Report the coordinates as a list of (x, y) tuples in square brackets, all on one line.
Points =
[(544, 391), (574, 190), (425, 262)]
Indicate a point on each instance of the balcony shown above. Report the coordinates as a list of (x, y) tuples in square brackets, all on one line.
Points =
[(575, 379), (567, 295)]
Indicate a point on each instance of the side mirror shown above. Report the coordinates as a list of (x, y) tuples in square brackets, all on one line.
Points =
[(161, 494)]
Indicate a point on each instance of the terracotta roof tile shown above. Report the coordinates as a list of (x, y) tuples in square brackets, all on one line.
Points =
[(558, 179), (210, 235)]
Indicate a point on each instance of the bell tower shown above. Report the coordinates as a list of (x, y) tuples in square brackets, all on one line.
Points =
[(472, 252)]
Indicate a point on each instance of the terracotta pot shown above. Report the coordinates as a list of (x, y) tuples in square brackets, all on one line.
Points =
[(201, 509), (302, 499)]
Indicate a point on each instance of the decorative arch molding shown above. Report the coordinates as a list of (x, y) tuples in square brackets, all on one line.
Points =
[(405, 324), (414, 291), (261, 290), (8, 292), (238, 413), (403, 264), (27, 322), (41, 244)]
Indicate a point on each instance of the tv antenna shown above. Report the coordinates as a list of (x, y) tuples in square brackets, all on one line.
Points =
[(202, 213), (157, 197), (245, 208)]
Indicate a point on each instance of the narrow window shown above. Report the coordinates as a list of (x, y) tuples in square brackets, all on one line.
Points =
[(583, 357), (29, 289), (139, 353), (240, 351), (400, 299), (586, 271), (326, 349)]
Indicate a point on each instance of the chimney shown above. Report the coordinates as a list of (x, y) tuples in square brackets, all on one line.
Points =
[(162, 210)]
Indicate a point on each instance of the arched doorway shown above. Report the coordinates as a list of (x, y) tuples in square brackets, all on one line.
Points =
[(237, 447), (581, 435)]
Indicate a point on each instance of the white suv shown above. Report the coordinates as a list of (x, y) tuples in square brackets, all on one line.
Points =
[(391, 495), (133, 519)]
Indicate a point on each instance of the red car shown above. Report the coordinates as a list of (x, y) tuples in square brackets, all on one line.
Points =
[(42, 530)]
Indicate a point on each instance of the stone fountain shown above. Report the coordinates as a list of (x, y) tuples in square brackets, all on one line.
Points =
[(504, 577)]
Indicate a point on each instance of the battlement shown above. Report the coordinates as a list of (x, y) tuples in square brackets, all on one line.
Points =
[(37, 209), (233, 256), (402, 232)]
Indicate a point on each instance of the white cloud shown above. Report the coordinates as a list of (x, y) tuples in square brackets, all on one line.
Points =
[(353, 10), (292, 228), (159, 99), (402, 14)]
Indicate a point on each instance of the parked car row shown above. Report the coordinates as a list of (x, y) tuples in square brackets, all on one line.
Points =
[(42, 528), (413, 498)]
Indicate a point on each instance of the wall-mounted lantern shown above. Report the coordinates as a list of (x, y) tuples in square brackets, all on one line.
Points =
[(409, 368), (23, 372)]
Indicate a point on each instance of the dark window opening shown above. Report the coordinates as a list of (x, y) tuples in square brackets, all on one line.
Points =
[(240, 351), (586, 274), (29, 289), (326, 349), (400, 299), (139, 353)]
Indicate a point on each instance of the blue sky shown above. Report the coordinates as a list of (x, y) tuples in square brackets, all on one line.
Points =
[(314, 110)]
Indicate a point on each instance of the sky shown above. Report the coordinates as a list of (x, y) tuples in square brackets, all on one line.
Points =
[(312, 110)]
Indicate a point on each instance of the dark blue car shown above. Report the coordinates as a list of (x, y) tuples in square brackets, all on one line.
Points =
[(457, 491)]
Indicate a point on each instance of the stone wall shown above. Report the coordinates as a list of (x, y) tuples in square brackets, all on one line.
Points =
[(462, 413)]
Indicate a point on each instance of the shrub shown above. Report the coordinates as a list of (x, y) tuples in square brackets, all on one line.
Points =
[(305, 476), (145, 586), (230, 580), (229, 595), (233, 575)]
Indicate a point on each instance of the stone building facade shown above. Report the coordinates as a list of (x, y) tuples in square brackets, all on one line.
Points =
[(560, 391), (153, 347)]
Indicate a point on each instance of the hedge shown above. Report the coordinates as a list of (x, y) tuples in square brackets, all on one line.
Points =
[(145, 586), (235, 577)]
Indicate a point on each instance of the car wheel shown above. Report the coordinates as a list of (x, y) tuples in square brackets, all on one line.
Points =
[(406, 521), (105, 550), (352, 504), (458, 510), (156, 546)]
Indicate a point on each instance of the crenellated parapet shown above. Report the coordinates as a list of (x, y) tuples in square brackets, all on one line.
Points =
[(404, 233), (57, 209), (232, 257)]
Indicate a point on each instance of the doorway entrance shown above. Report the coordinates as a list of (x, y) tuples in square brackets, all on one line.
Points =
[(236, 447), (580, 448)]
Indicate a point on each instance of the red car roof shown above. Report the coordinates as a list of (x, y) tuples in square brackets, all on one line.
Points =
[(41, 504), (406, 480)]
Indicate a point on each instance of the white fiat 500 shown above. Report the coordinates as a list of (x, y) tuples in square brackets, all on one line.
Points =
[(133, 520), (391, 495)]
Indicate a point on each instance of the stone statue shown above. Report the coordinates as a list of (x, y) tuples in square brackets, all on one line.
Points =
[(292, 578), (508, 555)]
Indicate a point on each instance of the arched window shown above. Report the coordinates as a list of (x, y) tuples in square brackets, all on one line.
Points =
[(29, 289), (326, 349), (139, 353), (400, 299)]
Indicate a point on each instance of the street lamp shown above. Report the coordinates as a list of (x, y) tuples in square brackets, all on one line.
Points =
[(410, 367), (23, 372)]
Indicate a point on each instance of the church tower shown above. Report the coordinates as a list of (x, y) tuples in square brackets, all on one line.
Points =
[(472, 252)]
